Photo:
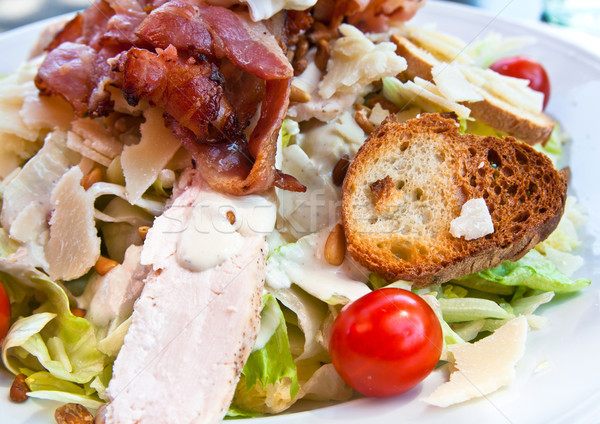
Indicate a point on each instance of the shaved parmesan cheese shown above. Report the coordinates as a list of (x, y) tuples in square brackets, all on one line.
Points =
[(443, 46), (74, 245), (453, 85), (79, 145), (11, 122), (378, 114), (142, 162), (356, 61), (14, 151), (421, 93), (483, 367), (513, 91), (96, 138), (42, 112)]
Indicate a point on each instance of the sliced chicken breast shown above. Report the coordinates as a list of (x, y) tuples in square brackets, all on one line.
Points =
[(192, 330)]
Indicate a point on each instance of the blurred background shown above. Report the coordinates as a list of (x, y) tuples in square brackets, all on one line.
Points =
[(578, 13)]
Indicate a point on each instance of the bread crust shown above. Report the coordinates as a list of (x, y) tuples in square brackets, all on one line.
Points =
[(524, 193)]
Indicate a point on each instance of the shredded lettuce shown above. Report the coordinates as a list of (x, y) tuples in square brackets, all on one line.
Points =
[(51, 341)]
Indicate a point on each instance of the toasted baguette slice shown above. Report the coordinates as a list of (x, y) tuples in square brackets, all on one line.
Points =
[(526, 126), (409, 181)]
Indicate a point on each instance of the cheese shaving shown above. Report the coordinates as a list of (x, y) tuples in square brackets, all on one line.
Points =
[(483, 367), (74, 245), (356, 61), (142, 162)]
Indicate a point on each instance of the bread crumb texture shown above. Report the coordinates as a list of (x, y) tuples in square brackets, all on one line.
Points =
[(409, 181)]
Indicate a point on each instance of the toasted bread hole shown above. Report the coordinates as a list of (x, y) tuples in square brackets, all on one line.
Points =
[(533, 188), (404, 145), (418, 194), (521, 158), (440, 157), (486, 194), (512, 190), (481, 172), (491, 208), (507, 171), (522, 217), (472, 151), (522, 200), (380, 134), (400, 185), (497, 190), (515, 229), (543, 210), (494, 159), (473, 182), (403, 251), (546, 178)]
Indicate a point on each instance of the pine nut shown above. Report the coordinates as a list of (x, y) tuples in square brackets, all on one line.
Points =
[(103, 265), (78, 312), (339, 170), (298, 95), (91, 178), (322, 55), (363, 122), (230, 217), (143, 232), (335, 246)]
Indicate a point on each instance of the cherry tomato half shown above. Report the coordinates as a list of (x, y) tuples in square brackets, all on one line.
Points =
[(386, 342), (4, 312), (525, 68)]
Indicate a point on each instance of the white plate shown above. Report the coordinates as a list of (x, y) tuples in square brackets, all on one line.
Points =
[(570, 389)]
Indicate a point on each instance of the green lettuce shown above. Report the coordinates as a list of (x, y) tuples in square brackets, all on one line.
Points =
[(270, 370), (51, 341), (533, 271), (274, 361)]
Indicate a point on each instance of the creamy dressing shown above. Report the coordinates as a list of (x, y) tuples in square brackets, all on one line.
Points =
[(218, 226), (303, 264)]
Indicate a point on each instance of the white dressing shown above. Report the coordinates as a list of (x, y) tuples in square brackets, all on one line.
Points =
[(303, 263), (210, 238)]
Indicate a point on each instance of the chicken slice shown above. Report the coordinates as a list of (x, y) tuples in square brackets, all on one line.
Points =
[(191, 331)]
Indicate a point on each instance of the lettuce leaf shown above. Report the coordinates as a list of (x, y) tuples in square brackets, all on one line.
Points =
[(533, 271), (51, 340), (274, 361)]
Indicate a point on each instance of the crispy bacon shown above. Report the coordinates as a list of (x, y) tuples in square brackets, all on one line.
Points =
[(367, 15), (76, 72), (179, 24), (189, 92), (213, 160), (249, 45)]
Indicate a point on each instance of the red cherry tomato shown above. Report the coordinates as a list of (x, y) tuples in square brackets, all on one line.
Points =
[(525, 68), (386, 342), (4, 312)]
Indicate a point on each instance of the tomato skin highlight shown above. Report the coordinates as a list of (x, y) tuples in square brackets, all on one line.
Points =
[(4, 312), (525, 68), (386, 342)]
